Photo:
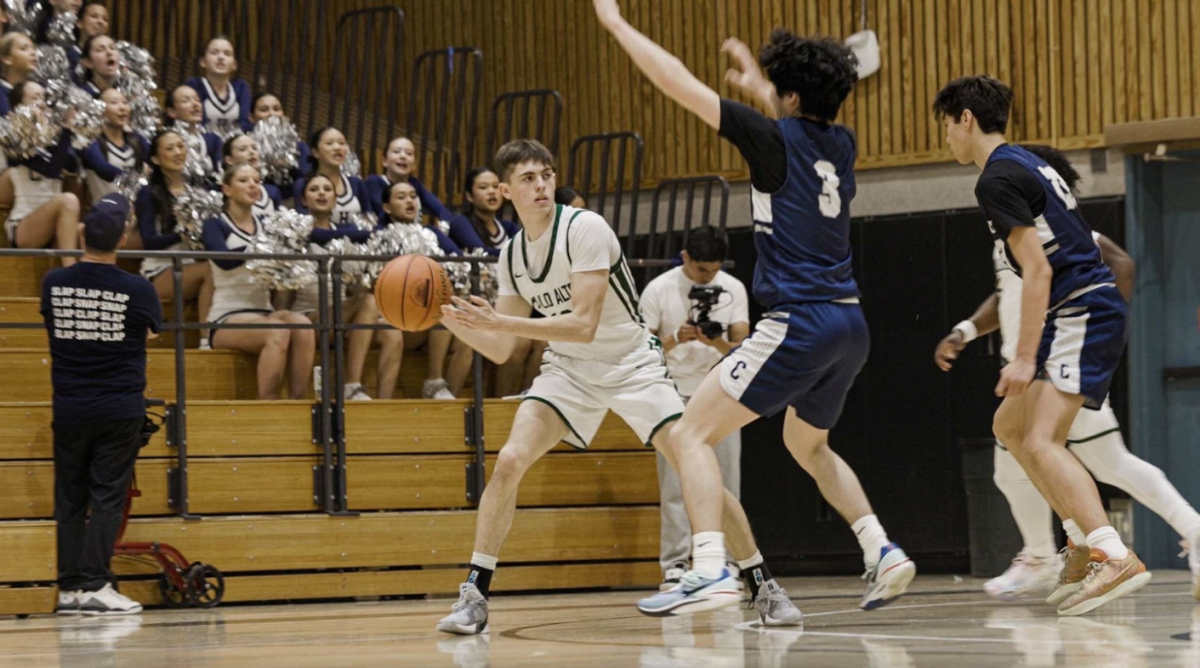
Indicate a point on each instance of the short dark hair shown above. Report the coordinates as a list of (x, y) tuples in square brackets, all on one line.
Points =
[(821, 70), (706, 244), (1057, 161), (988, 99), (564, 195), (16, 96), (518, 151)]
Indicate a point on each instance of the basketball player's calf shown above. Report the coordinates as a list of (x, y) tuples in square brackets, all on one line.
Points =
[(535, 431)]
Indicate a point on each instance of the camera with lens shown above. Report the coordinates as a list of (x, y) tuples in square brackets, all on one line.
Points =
[(704, 299)]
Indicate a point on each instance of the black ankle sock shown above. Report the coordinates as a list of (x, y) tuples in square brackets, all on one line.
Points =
[(754, 577), (482, 579)]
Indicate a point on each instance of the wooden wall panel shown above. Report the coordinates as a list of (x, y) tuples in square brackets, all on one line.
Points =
[(1075, 65)]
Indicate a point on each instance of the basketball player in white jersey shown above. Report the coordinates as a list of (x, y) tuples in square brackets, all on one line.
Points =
[(1095, 440), (568, 264)]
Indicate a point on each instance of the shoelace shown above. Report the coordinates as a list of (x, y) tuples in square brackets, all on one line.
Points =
[(1093, 568)]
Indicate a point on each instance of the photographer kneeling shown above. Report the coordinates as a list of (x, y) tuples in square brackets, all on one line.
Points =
[(98, 318), (699, 313)]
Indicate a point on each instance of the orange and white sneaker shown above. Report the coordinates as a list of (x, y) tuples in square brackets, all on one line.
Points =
[(1107, 580), (1070, 578)]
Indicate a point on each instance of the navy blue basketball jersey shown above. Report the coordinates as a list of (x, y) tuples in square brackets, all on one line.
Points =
[(802, 230), (1066, 237)]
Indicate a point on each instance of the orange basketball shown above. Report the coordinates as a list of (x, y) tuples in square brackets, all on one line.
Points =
[(411, 291)]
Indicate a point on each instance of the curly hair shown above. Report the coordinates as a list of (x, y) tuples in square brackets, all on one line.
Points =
[(1057, 161), (820, 70)]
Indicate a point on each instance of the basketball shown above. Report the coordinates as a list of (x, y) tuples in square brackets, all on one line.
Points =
[(411, 291)]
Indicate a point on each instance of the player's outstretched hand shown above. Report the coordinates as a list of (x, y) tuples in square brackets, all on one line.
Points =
[(607, 11), (476, 314), (1015, 378), (746, 75), (948, 349)]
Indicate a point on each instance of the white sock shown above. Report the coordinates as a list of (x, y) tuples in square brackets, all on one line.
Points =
[(1112, 463), (484, 560), (871, 538), (1034, 518), (708, 553), (1107, 539), (751, 562), (1075, 533)]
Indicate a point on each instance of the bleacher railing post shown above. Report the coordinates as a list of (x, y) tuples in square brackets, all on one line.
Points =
[(338, 413), (177, 478), (323, 481), (476, 470)]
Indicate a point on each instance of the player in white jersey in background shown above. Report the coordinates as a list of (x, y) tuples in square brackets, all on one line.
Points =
[(568, 264), (1095, 436)]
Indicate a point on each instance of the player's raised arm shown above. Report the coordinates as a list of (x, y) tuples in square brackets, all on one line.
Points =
[(664, 70)]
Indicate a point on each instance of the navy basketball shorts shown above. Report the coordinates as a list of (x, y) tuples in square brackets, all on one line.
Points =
[(1082, 344), (802, 355)]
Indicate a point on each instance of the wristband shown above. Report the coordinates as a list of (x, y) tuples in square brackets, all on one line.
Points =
[(969, 331)]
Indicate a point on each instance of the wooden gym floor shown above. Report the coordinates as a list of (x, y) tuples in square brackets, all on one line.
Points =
[(947, 621)]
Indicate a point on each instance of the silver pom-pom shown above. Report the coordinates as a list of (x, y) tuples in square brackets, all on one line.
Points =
[(53, 65), (136, 79), (352, 165), (285, 231), (460, 276), (354, 272), (25, 130), (88, 114), (361, 220), (129, 183), (24, 16), (224, 128), (61, 29), (277, 147), (444, 227), (401, 239), (137, 62), (192, 208), (198, 170)]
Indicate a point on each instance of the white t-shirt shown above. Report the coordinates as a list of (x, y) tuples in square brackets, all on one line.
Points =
[(666, 307), (540, 273), (1008, 286)]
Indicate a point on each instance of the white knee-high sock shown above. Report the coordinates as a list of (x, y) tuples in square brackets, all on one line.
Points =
[(1113, 464), (1034, 518)]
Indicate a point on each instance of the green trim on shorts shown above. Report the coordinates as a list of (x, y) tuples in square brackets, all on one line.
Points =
[(564, 419), (654, 432), (1093, 437)]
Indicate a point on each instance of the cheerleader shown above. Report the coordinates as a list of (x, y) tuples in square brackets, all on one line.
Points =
[(224, 98), (101, 64), (401, 208), (478, 226), (93, 22), (18, 62), (186, 112), (42, 214), (266, 105), (238, 299), (116, 151), (329, 151), (155, 212), (320, 198), (243, 149), (398, 163)]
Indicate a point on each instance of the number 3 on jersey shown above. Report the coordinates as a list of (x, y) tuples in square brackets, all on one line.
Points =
[(830, 199)]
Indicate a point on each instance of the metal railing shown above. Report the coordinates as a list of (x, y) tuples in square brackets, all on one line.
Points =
[(665, 239), (329, 480), (443, 116), (367, 70), (607, 181)]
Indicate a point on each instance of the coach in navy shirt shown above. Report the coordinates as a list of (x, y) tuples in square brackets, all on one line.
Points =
[(98, 318)]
